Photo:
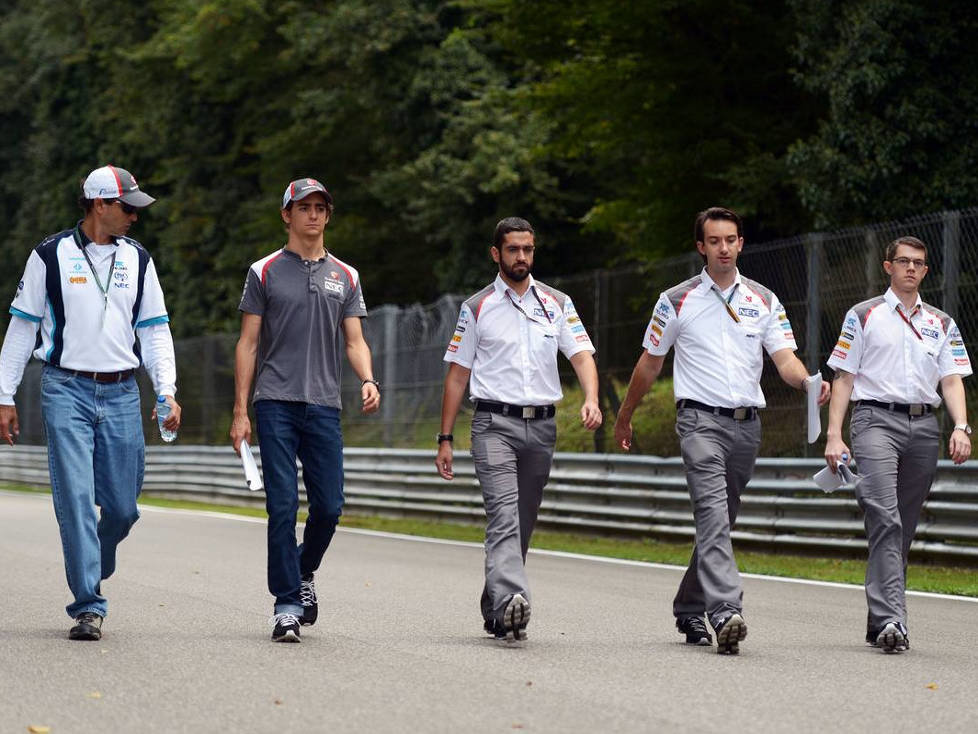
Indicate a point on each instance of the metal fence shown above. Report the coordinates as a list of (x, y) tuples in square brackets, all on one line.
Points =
[(818, 277), (630, 496)]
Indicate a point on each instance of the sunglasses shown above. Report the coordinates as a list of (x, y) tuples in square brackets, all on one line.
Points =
[(127, 208)]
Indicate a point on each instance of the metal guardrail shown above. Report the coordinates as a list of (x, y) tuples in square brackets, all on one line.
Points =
[(781, 508)]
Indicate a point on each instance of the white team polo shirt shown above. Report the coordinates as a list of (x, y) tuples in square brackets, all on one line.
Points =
[(510, 342), (80, 330), (718, 358), (893, 362)]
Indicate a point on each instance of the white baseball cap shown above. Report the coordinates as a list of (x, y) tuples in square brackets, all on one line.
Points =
[(112, 182)]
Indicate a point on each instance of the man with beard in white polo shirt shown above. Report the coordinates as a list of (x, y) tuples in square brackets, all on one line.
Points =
[(892, 353), (718, 322), (93, 292), (506, 342)]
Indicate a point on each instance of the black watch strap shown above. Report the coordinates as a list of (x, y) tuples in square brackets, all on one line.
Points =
[(372, 382), (445, 437)]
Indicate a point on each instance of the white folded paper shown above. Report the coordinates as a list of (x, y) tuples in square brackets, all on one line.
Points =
[(813, 389), (828, 481), (252, 475)]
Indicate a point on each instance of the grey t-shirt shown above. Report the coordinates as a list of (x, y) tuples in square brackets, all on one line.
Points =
[(302, 304)]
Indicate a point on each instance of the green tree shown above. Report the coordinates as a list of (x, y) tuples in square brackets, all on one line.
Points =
[(899, 82)]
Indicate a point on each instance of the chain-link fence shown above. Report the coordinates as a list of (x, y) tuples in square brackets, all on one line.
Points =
[(817, 277)]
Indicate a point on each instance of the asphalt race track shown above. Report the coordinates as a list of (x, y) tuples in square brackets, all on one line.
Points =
[(399, 645)]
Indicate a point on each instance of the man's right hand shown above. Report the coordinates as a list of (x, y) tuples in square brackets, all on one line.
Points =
[(623, 433), (240, 431), (9, 425), (443, 462), (835, 450)]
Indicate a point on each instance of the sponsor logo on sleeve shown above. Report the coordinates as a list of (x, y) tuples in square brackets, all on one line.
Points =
[(654, 339), (843, 344), (20, 286), (959, 352), (847, 335), (662, 308), (786, 326), (961, 362), (453, 347), (839, 354), (577, 329), (457, 338), (573, 319), (789, 336), (656, 329), (582, 338), (851, 322), (659, 320), (956, 343)]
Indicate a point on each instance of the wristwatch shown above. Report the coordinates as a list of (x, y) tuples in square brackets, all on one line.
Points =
[(963, 427), (445, 437), (372, 382)]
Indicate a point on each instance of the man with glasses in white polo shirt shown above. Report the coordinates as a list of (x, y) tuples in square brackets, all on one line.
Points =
[(93, 292), (506, 340), (892, 353), (718, 322)]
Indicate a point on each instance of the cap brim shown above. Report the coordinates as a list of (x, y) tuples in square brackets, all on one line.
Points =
[(137, 198), (326, 195)]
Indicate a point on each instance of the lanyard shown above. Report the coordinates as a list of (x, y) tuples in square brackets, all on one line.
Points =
[(907, 321), (542, 307), (108, 280), (726, 301)]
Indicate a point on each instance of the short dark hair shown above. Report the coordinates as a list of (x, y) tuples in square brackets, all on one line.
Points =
[(715, 213), (87, 204), (909, 242), (507, 225)]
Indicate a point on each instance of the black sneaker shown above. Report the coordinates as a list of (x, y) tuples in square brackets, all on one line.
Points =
[(88, 627), (893, 638), (730, 631), (695, 630), (515, 618), (494, 629), (310, 604), (286, 628)]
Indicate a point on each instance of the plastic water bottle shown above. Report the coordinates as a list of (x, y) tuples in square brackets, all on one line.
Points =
[(162, 411)]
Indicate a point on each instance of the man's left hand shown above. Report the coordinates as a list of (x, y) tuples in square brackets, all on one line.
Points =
[(959, 447), (591, 415), (826, 393), (370, 396), (172, 421)]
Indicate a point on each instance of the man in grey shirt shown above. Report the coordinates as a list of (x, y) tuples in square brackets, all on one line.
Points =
[(296, 302)]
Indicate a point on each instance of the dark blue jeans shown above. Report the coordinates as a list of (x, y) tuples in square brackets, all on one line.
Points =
[(312, 433)]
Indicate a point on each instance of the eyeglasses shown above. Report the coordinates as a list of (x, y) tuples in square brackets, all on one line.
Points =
[(905, 261), (127, 208)]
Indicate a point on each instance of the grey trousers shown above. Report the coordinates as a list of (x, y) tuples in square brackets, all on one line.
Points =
[(718, 453), (897, 458), (512, 460)]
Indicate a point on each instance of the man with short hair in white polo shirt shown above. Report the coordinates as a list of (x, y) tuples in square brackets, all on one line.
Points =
[(719, 322), (506, 340), (892, 353), (93, 292)]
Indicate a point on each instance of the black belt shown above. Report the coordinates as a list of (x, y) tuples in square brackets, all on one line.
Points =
[(738, 414), (528, 412), (908, 408), (103, 376)]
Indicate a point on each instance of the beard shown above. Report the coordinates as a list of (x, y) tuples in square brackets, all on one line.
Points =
[(516, 276)]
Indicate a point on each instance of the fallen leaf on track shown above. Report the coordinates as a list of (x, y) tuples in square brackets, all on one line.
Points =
[(35, 729), (95, 694), (932, 686)]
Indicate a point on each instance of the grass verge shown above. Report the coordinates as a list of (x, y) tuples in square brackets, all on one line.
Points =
[(920, 577)]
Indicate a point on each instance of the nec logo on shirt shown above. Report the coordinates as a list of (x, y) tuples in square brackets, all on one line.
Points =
[(540, 312), (332, 286), (752, 313), (932, 333)]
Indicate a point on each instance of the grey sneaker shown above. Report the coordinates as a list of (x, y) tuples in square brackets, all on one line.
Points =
[(730, 631), (285, 628), (893, 638), (515, 618), (310, 603), (88, 626)]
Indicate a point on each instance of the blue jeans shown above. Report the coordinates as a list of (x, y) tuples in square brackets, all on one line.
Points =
[(312, 433), (96, 457)]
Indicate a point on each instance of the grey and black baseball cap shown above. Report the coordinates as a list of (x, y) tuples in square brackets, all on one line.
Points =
[(112, 182), (301, 188)]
